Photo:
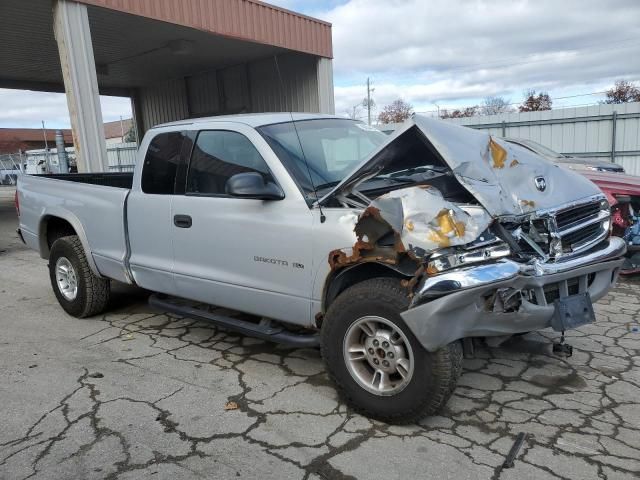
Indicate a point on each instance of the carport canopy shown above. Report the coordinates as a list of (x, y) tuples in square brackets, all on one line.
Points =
[(175, 59)]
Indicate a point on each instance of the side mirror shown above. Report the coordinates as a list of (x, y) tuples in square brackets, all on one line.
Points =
[(253, 185)]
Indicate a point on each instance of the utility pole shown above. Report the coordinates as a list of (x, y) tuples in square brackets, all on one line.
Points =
[(44, 134), (368, 102), (46, 148)]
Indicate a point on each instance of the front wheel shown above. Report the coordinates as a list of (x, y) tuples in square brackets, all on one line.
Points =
[(378, 365)]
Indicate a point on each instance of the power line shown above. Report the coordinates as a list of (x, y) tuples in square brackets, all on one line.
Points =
[(553, 99)]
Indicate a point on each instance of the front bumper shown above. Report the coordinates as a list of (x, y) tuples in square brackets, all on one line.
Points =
[(458, 304)]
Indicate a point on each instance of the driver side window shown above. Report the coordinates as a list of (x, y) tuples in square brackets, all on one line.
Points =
[(217, 156)]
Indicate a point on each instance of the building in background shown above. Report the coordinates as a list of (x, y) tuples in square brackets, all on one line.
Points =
[(175, 59), (15, 140), (116, 132)]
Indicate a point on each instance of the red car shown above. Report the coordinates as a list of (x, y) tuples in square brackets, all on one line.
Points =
[(623, 193)]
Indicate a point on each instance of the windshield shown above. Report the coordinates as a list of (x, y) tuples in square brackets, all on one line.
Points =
[(537, 148), (332, 147)]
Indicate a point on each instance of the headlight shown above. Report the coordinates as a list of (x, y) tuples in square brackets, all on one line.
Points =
[(440, 262)]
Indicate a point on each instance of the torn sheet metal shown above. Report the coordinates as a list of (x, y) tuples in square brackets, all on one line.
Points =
[(426, 221), (413, 222), (505, 178)]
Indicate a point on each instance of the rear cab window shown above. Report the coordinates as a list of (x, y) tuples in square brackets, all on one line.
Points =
[(161, 163)]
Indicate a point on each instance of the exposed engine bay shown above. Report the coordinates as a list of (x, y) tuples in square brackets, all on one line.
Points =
[(501, 202)]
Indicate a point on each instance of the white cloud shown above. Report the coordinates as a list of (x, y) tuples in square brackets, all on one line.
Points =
[(456, 52), (453, 52), (23, 108)]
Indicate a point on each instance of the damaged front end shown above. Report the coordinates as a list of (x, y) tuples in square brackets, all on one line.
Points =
[(494, 257)]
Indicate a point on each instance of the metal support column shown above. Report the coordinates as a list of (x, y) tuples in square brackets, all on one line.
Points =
[(71, 29), (614, 121), (325, 86), (136, 110)]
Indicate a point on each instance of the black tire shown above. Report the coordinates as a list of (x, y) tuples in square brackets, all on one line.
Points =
[(435, 374), (92, 291)]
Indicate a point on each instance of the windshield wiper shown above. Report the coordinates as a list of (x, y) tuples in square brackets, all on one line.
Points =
[(395, 179), (327, 185), (412, 170)]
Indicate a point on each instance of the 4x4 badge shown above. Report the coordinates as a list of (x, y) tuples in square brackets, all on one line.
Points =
[(541, 183)]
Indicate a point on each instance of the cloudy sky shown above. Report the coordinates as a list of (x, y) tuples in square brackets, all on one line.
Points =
[(452, 53)]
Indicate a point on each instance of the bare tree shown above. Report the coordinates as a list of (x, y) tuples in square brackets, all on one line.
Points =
[(535, 103), (458, 113), (396, 112), (623, 92), (354, 112), (495, 105)]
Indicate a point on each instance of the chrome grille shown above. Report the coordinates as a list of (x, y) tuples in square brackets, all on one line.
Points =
[(567, 230), (581, 226), (581, 235), (577, 214)]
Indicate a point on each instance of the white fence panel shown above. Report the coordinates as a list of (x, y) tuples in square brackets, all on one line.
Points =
[(606, 131), (122, 156)]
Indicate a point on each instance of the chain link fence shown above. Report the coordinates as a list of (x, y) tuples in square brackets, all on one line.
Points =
[(121, 157), (10, 168)]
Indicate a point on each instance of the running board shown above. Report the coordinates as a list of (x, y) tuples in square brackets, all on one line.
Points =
[(267, 332)]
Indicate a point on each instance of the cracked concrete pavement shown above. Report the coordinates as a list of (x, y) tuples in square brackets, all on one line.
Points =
[(135, 394)]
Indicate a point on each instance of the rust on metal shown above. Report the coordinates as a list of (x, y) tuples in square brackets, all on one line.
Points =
[(449, 224), (411, 283), (370, 228), (402, 227), (498, 153)]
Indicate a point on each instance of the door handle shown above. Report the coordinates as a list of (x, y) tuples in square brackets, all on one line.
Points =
[(182, 221)]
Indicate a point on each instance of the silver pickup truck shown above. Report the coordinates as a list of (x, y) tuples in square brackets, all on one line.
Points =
[(389, 253)]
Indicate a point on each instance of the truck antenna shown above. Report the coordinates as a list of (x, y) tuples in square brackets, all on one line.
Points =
[(304, 157)]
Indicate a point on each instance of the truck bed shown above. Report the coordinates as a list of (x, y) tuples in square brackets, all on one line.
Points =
[(93, 204), (118, 180)]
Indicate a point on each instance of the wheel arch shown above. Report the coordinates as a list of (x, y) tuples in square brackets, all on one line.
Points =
[(57, 223), (339, 280)]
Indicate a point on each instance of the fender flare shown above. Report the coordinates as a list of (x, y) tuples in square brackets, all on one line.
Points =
[(334, 280), (58, 212)]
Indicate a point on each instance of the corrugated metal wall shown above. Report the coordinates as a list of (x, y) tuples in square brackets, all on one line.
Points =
[(246, 19), (203, 94), (244, 88), (298, 91), (164, 102), (122, 156), (582, 131)]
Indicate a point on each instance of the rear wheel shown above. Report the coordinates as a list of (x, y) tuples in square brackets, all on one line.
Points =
[(79, 291), (378, 365)]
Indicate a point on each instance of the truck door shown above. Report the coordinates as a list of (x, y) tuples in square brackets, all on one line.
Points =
[(240, 253), (149, 210)]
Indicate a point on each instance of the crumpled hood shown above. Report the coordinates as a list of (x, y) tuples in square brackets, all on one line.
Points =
[(505, 179)]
